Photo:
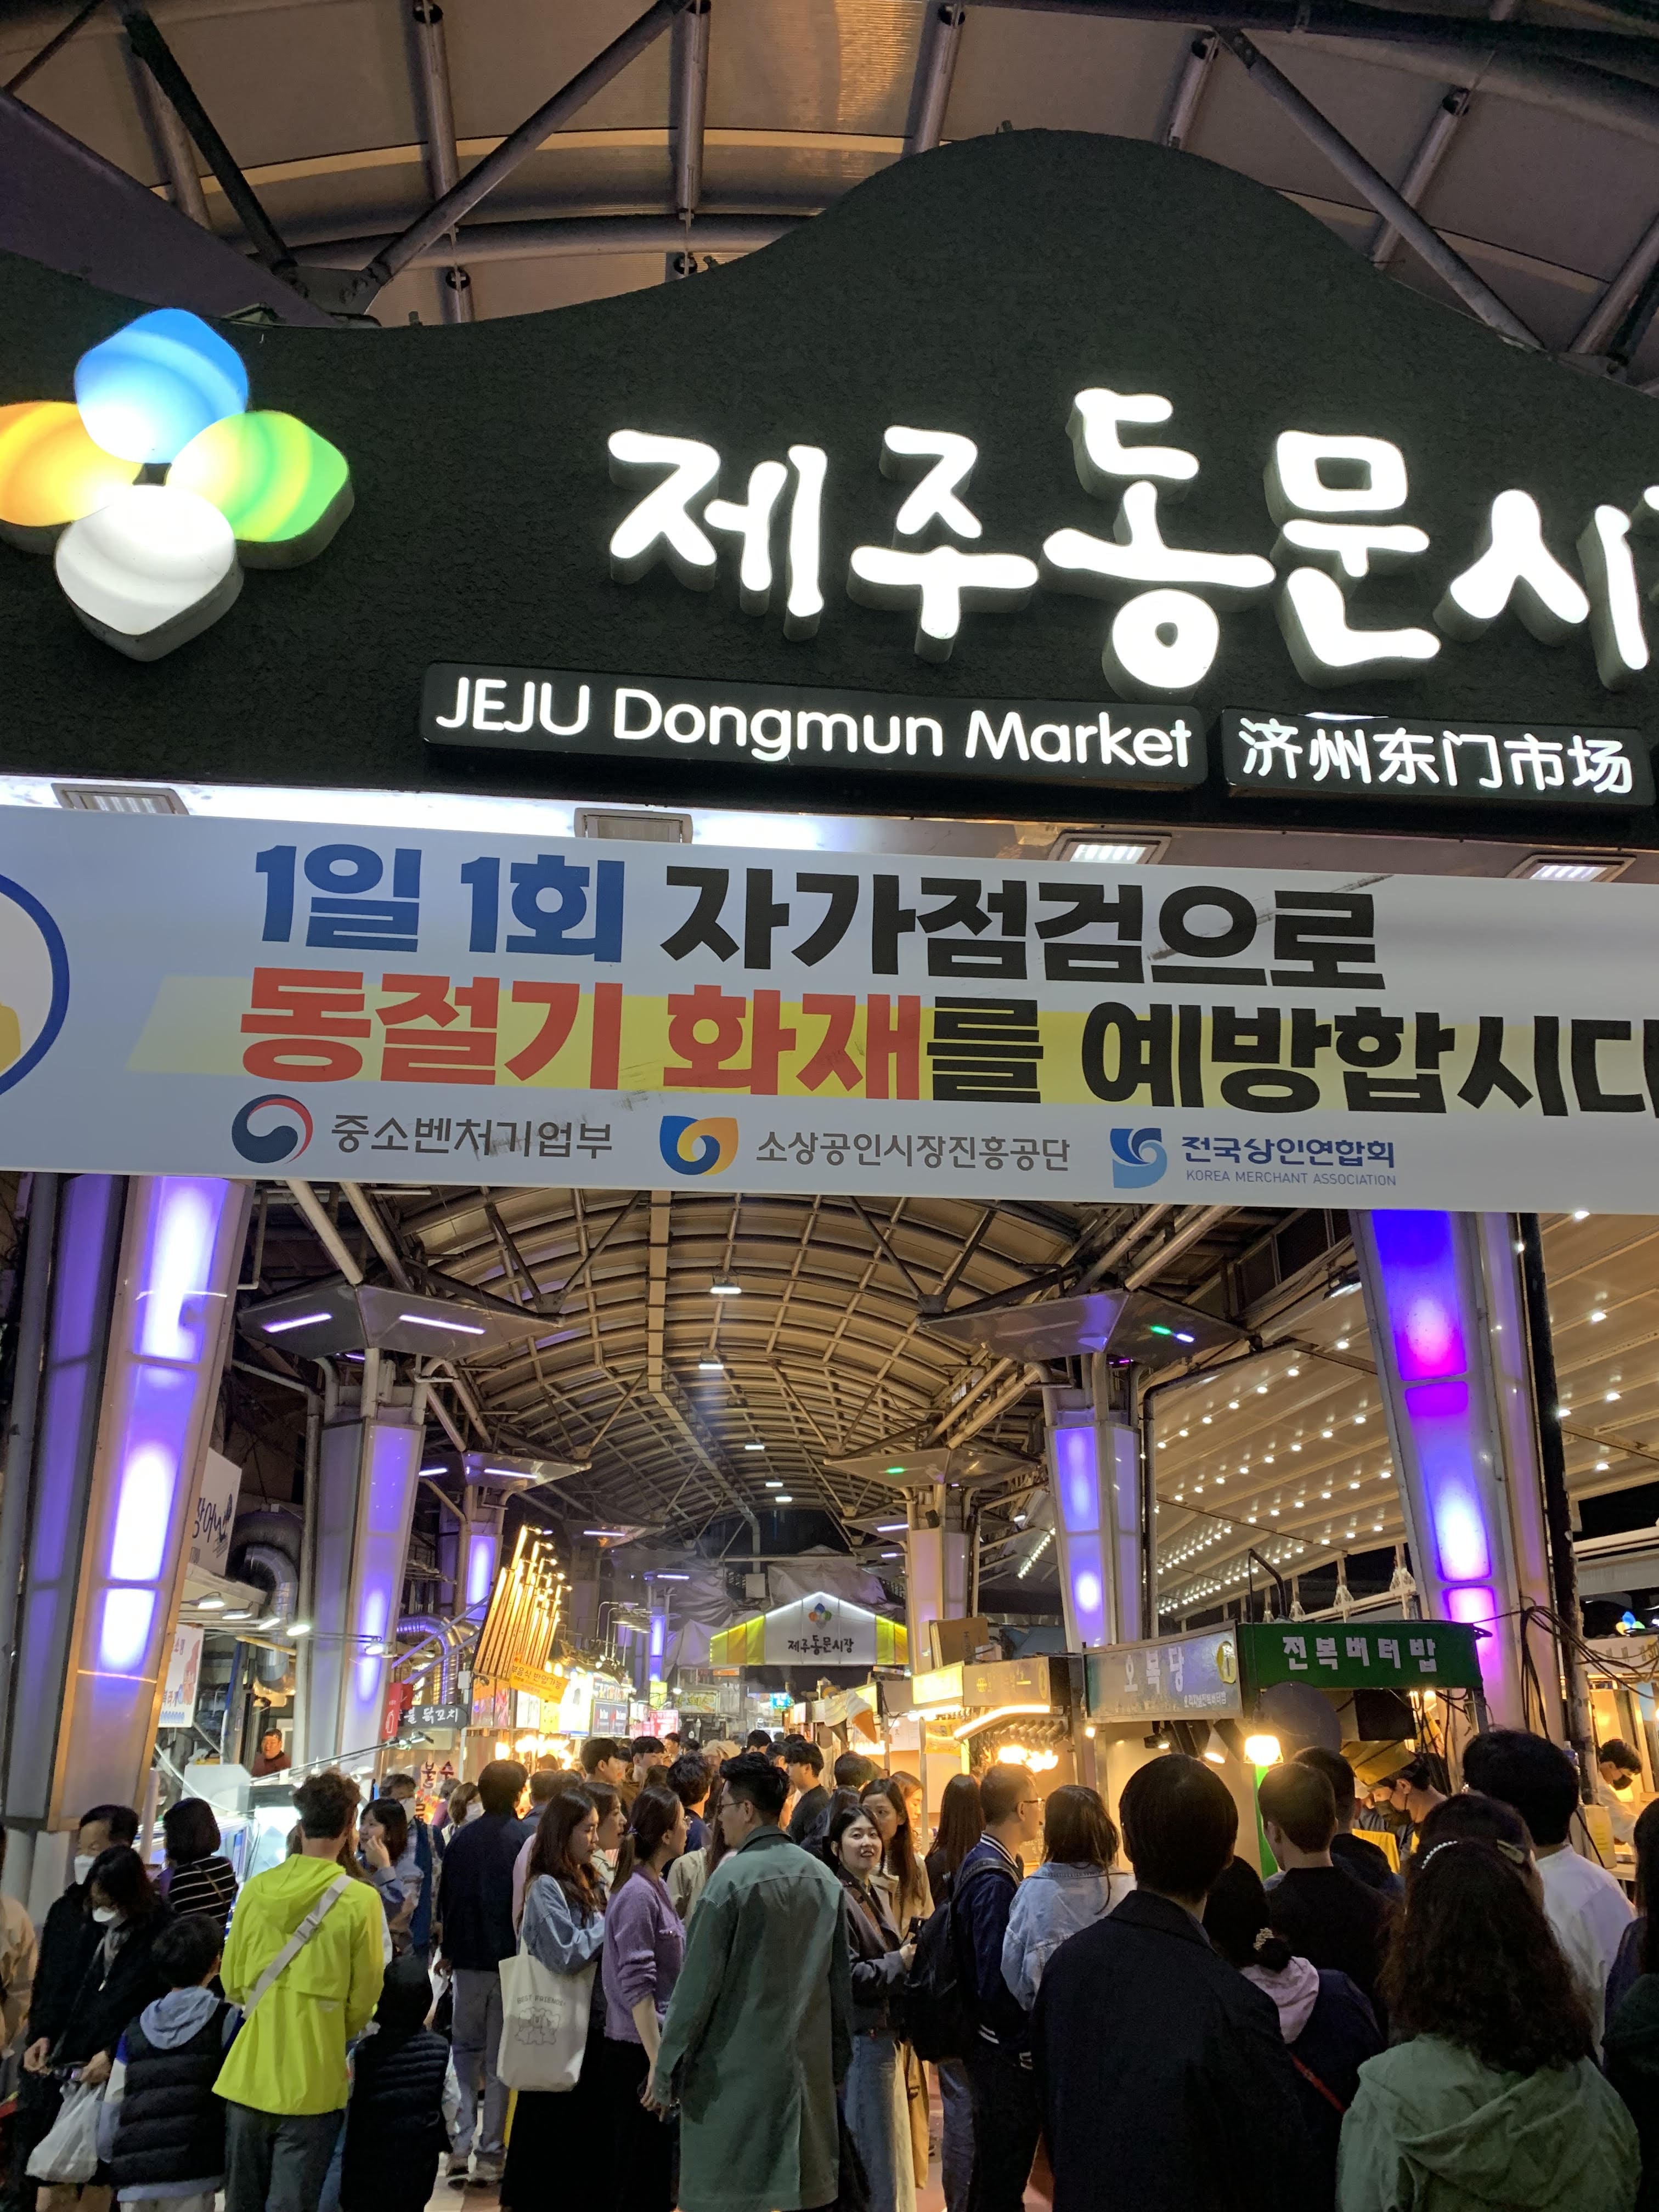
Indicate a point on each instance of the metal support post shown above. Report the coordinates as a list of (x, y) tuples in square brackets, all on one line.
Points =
[(1430, 152), (689, 77), (1423, 239), (438, 132), (1558, 1512), (1596, 332), (172, 143), (936, 66), (1197, 62), (447, 211), (154, 51)]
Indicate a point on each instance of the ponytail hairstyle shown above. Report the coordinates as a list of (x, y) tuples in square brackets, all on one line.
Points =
[(656, 1809), (1235, 1921)]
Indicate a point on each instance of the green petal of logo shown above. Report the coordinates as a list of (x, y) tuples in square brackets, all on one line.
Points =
[(148, 565)]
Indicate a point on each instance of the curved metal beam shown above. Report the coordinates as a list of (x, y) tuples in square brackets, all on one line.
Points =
[(567, 235)]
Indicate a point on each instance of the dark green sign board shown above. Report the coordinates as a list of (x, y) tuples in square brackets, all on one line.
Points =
[(1360, 1655)]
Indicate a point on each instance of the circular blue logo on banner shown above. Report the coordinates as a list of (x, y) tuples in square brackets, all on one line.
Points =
[(34, 982), (282, 1140)]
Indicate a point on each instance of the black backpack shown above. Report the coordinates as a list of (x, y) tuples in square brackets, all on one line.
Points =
[(941, 2001)]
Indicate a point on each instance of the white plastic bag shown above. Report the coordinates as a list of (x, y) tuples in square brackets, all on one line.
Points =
[(67, 2153), (544, 2019)]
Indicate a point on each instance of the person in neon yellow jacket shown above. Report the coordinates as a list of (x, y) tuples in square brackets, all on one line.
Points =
[(285, 2080)]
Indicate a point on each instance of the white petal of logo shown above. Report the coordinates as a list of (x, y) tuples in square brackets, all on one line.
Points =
[(152, 568), (34, 982)]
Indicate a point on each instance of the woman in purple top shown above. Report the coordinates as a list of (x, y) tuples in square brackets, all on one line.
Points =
[(644, 1947)]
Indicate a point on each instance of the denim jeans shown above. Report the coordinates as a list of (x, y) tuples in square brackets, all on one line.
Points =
[(276, 2161), (475, 2038), (879, 2121), (957, 2151)]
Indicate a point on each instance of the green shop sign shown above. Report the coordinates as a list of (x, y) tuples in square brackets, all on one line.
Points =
[(1368, 1655)]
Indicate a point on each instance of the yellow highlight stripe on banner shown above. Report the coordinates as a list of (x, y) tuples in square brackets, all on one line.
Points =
[(1274, 1065)]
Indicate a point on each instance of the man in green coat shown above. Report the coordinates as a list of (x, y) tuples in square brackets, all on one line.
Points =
[(759, 2029)]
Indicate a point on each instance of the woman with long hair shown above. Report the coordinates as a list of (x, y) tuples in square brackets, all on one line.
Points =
[(1489, 2096), (909, 1787), (644, 1948), (561, 2138), (874, 2097), (902, 1873), (121, 1979), (196, 1879), (1076, 1885), (613, 1826), (904, 1878), (385, 1851), (961, 1825), (1325, 2020)]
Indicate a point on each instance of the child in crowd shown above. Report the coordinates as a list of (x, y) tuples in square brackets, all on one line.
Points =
[(162, 2128), (395, 2132)]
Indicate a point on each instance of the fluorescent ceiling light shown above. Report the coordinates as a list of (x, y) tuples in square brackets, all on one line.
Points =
[(711, 1367), (209, 1605), (1572, 867), (724, 1287), (118, 798), (301, 1320), (298, 1628), (1109, 852), (783, 1498), (897, 1528), (429, 1321), (775, 1484), (754, 1446)]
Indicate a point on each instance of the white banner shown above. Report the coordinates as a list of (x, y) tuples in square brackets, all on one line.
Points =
[(187, 995), (183, 1674)]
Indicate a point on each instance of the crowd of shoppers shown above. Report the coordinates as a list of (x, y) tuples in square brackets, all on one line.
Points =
[(741, 1998)]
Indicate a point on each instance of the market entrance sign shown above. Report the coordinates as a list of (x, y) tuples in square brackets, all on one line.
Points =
[(1232, 529), (412, 1005)]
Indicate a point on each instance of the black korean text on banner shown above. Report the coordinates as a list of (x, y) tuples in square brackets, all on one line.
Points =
[(451, 1004)]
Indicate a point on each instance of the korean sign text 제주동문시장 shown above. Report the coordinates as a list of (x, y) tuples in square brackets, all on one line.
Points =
[(1340, 504), (616, 1013)]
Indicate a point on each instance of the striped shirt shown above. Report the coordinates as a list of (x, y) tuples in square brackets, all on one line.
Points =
[(205, 1886)]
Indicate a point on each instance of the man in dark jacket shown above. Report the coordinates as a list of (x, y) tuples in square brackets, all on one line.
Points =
[(803, 1762), (1007, 2119), (475, 1906), (1323, 1913), (1366, 1861), (1165, 2082), (68, 1941)]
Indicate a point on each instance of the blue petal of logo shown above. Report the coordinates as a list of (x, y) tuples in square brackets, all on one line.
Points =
[(698, 1148), (290, 1136), (36, 966), (1138, 1158)]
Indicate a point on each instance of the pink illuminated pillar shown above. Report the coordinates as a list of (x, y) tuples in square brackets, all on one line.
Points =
[(1442, 1298)]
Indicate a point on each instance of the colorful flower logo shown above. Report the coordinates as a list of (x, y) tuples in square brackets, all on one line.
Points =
[(149, 560), (819, 1614)]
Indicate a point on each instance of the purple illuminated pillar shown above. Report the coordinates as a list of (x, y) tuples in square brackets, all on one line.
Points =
[(367, 1474), (1440, 1296), (181, 1247), (1092, 1461)]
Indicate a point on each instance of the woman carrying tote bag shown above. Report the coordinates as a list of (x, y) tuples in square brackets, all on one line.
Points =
[(560, 2143)]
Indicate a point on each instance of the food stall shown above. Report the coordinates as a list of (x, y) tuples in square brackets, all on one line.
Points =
[(1244, 1695)]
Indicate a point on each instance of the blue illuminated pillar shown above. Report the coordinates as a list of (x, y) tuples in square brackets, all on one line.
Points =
[(1443, 1295)]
